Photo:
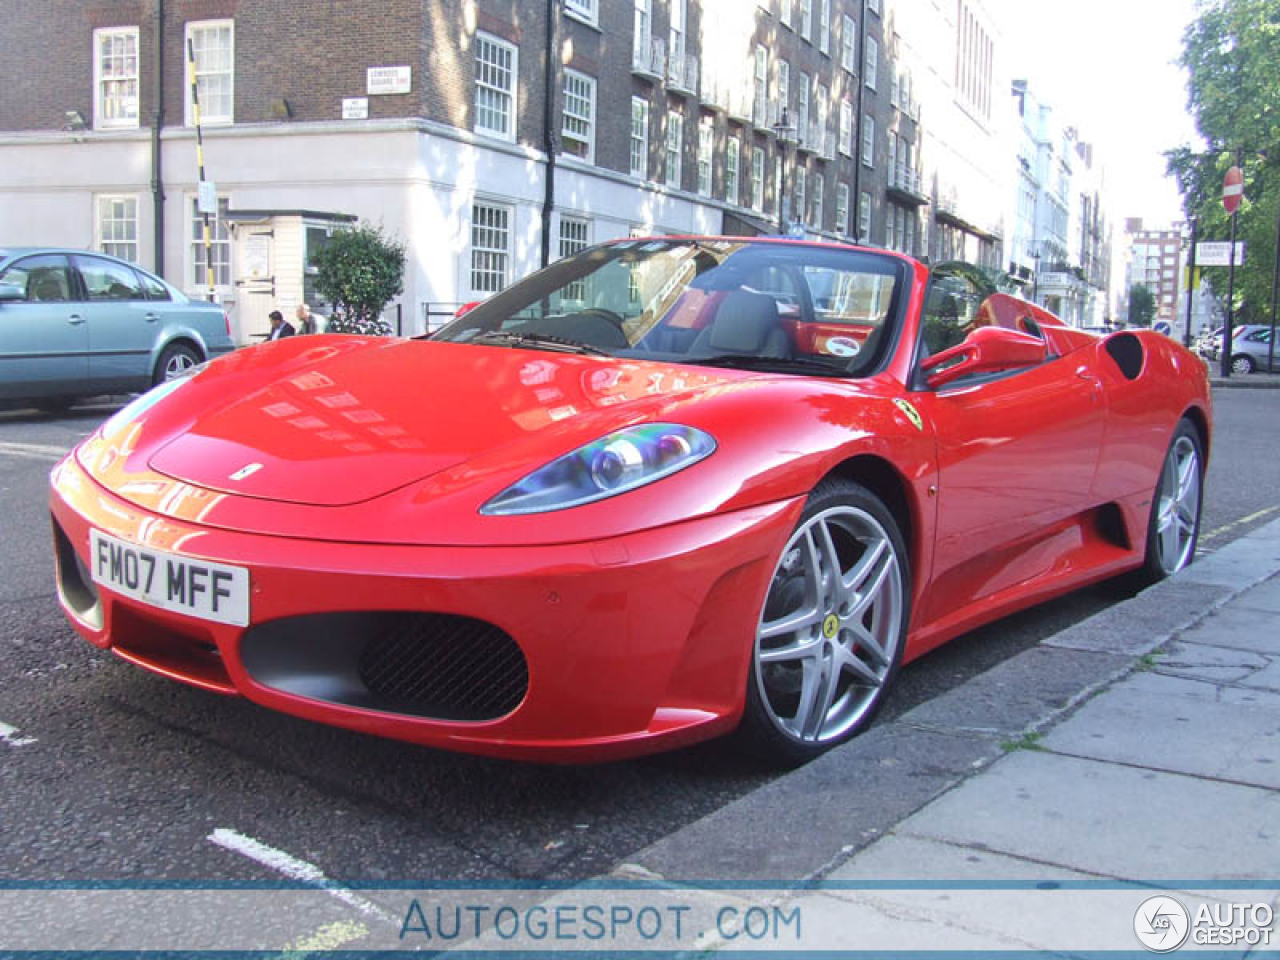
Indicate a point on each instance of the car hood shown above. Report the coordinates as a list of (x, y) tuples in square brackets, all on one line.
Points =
[(332, 421)]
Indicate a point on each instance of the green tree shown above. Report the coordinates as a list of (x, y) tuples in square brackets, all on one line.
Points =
[(359, 270), (1232, 54), (1142, 305)]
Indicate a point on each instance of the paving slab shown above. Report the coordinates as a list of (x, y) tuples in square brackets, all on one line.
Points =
[(1238, 627), (916, 859), (1241, 564), (1195, 730), (844, 800), (1139, 625), (1110, 819), (1268, 679), (1265, 597), (1206, 661), (1021, 693)]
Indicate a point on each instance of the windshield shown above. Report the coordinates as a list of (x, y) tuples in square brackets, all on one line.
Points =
[(726, 302)]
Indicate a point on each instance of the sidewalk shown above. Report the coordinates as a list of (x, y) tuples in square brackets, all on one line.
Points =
[(1139, 746)]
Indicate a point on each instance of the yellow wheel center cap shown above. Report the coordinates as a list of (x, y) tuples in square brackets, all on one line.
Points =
[(831, 626)]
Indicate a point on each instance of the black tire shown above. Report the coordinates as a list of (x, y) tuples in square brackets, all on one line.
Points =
[(175, 360), (851, 636), (1173, 527), (1243, 363)]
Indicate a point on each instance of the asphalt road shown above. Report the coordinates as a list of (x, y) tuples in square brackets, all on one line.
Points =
[(107, 772)]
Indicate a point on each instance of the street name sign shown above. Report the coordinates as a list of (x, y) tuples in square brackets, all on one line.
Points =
[(1218, 254)]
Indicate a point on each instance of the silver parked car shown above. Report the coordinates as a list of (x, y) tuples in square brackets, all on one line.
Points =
[(74, 323), (1250, 344)]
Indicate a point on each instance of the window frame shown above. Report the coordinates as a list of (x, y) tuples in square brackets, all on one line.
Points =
[(589, 84), (868, 141), (732, 158), (190, 28), (588, 11), (706, 154), (100, 98), (220, 239), (824, 27), (675, 126), (872, 62), (849, 44), (643, 139), (100, 240), (505, 252), (842, 209), (512, 94)]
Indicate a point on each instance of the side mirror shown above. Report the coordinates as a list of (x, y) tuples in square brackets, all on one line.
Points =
[(11, 292), (985, 350)]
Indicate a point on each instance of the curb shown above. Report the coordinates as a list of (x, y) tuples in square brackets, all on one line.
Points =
[(806, 823)]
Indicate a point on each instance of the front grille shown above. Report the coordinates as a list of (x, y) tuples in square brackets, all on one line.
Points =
[(444, 666)]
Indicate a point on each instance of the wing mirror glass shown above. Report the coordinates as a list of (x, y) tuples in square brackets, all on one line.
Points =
[(10, 292), (985, 350)]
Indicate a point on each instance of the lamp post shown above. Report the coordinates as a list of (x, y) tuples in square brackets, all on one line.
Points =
[(783, 130), (1035, 278)]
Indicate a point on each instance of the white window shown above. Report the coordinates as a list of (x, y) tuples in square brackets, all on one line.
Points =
[(873, 61), (495, 87), (219, 247), (873, 6), (806, 19), (801, 184), (821, 99), (889, 238), (757, 179), (679, 18), (783, 92), (846, 127), (895, 86), (211, 45), (893, 156), (819, 189), (706, 142), (675, 147), (574, 232), (802, 107), (864, 217), (582, 9), (640, 137), (115, 77), (849, 44), (842, 209), (641, 40), (761, 87), (824, 26), (786, 13), (868, 140), (117, 226), (490, 247), (578, 133), (732, 149)]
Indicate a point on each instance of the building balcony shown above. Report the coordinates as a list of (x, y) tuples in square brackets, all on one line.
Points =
[(739, 103), (904, 185), (649, 57), (682, 73)]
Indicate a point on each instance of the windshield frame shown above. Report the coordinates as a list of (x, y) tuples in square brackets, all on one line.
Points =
[(737, 259)]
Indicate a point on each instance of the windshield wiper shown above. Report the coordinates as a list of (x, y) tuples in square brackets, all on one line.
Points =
[(817, 365), (540, 341)]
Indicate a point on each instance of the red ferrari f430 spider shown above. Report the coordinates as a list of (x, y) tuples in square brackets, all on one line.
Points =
[(660, 491)]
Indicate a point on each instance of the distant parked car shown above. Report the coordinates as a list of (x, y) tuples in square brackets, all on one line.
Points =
[(1250, 345), (76, 324)]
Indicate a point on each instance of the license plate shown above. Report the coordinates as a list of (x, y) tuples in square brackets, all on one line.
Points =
[(198, 588)]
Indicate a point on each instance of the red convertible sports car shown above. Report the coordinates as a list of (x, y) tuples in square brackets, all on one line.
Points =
[(660, 491)]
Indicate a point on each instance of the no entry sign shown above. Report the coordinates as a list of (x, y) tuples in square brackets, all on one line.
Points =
[(1232, 189)]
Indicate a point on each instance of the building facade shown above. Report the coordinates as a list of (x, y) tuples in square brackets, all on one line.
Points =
[(1155, 261), (491, 136)]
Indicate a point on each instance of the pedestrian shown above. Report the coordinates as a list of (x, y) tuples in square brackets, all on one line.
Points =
[(279, 326), (306, 322)]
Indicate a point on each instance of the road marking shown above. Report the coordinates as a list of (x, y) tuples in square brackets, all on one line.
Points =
[(296, 869), (8, 735), (1227, 528), (330, 937), (33, 451)]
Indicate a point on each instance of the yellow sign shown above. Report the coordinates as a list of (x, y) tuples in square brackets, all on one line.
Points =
[(831, 626), (912, 413), (1194, 274)]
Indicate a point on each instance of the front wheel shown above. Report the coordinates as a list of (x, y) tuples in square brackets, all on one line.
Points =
[(1174, 526), (831, 633), (1243, 363)]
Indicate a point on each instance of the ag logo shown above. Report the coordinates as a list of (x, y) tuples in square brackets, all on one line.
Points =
[(831, 626), (246, 471), (912, 413), (1161, 924)]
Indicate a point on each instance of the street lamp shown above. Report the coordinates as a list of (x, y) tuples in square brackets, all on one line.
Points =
[(783, 130), (1035, 278)]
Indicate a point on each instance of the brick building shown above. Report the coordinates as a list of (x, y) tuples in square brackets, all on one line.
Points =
[(490, 135)]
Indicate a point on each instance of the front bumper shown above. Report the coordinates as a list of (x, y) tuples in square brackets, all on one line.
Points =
[(632, 644)]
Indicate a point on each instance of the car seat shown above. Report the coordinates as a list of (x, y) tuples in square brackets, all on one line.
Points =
[(746, 324)]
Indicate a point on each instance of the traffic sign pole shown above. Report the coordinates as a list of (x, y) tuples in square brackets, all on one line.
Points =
[(1191, 274), (1232, 193)]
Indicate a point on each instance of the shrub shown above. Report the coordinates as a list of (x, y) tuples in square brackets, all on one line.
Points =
[(359, 270)]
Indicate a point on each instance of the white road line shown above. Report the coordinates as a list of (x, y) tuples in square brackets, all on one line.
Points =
[(33, 451), (7, 734), (296, 869)]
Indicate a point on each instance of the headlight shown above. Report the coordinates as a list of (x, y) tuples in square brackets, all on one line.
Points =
[(614, 464)]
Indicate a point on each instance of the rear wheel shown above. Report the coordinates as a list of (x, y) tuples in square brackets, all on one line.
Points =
[(175, 361), (830, 636), (1174, 527)]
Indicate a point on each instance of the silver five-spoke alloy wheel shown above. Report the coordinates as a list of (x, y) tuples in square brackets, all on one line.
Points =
[(828, 638), (1178, 509)]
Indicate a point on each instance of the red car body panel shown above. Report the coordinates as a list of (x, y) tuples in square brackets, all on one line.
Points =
[(369, 460)]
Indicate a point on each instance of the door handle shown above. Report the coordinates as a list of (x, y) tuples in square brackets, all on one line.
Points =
[(75, 319), (151, 318)]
